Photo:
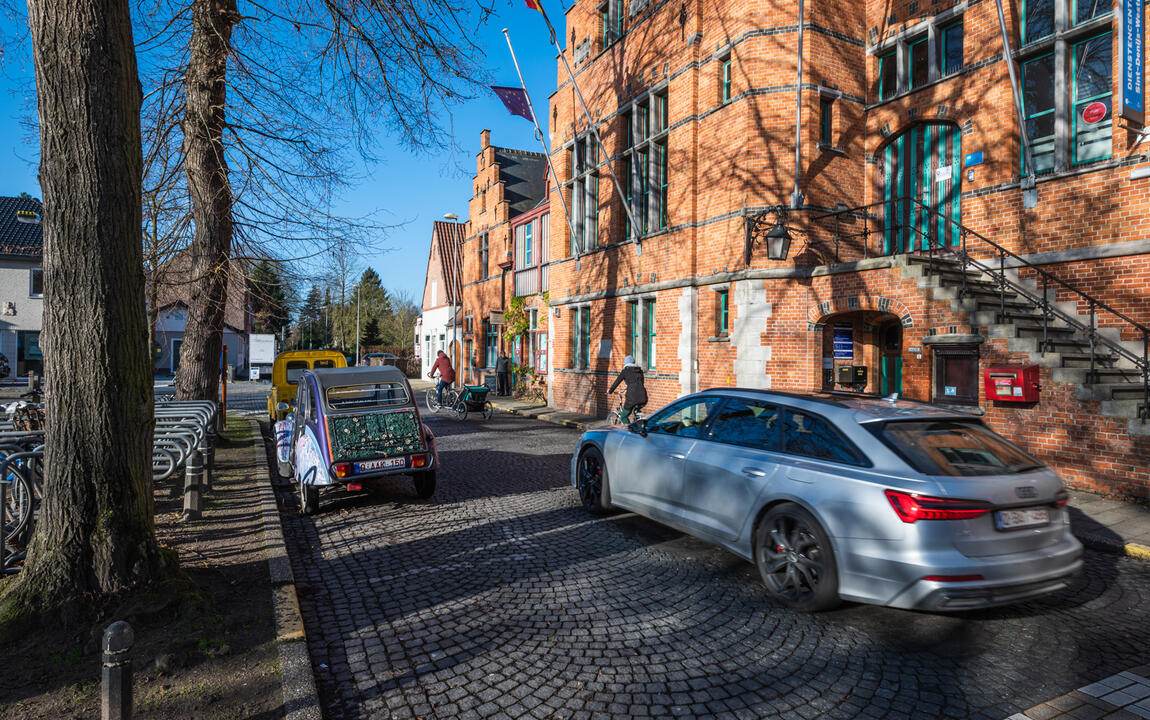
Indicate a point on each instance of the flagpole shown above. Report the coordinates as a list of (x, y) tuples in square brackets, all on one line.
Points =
[(593, 127), (542, 140)]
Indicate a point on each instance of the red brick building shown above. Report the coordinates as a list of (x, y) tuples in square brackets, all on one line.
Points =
[(908, 150)]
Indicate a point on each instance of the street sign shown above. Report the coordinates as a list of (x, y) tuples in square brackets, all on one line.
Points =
[(1133, 62)]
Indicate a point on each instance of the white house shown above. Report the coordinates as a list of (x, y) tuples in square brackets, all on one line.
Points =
[(21, 287), (437, 329)]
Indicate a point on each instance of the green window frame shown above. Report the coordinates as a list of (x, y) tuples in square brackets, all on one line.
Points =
[(649, 335), (1040, 122), (586, 339), (888, 75), (950, 42), (1037, 20), (527, 241), (1087, 10), (491, 337), (1098, 137), (725, 78), (633, 336), (662, 170), (826, 120), (722, 314)]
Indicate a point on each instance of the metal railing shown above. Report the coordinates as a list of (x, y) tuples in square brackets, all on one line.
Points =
[(849, 243)]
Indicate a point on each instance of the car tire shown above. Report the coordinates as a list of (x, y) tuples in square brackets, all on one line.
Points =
[(795, 559), (308, 499), (424, 484), (591, 473)]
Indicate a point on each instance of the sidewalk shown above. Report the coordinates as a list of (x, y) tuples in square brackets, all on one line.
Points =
[(1100, 523)]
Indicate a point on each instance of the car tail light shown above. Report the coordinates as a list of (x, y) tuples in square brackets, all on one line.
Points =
[(1061, 499), (353, 487), (954, 578), (912, 507), (341, 469), (418, 461)]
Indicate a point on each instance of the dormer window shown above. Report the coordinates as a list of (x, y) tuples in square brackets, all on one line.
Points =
[(28, 216)]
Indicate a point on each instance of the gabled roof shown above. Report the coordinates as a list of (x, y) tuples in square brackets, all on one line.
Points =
[(21, 234), (524, 176), (175, 278), (448, 240)]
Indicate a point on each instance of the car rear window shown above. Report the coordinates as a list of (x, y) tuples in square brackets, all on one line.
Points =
[(295, 368), (955, 448), (370, 396)]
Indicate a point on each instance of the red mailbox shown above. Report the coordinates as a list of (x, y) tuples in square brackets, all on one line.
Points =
[(1011, 383)]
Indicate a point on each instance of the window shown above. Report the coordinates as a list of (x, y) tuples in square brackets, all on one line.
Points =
[(887, 75), (722, 313), (581, 336), (611, 13), (483, 253), (812, 436), (950, 49), (293, 369), (36, 282), (826, 118), (919, 63), (645, 163), (1038, 108), (649, 335), (491, 343), (749, 423), (1068, 45), (527, 242), (1092, 91), (585, 193), (725, 78), (956, 374), (954, 448), (641, 339), (369, 396), (685, 419)]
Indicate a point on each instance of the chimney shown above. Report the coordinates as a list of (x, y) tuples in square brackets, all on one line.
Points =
[(484, 138)]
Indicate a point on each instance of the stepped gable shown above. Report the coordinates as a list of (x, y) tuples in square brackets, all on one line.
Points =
[(524, 177)]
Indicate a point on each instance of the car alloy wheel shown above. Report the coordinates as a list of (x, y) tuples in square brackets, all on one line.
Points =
[(795, 560), (592, 474)]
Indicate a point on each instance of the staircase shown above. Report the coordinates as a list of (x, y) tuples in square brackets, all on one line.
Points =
[(1003, 305)]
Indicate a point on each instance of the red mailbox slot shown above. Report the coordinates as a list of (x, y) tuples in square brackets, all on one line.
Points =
[(1011, 383)]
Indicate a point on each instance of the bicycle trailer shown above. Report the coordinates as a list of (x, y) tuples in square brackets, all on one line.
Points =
[(473, 398)]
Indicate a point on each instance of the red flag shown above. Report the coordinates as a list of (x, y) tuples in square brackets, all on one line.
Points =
[(535, 5)]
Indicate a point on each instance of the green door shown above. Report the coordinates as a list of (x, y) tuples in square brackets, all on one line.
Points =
[(924, 164), (891, 375)]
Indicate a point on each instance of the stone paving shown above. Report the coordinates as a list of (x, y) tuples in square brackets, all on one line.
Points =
[(501, 598)]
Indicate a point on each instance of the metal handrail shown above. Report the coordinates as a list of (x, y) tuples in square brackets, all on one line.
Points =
[(1090, 329)]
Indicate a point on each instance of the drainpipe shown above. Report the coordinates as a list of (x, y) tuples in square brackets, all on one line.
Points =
[(796, 194), (1029, 190)]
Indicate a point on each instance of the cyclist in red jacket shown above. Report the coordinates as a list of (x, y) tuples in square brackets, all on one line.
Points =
[(446, 374)]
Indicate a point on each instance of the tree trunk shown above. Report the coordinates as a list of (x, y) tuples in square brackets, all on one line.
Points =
[(94, 537), (207, 170)]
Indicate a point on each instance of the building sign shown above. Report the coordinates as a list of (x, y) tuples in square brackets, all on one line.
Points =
[(1133, 62), (844, 341), (1093, 113), (972, 159), (942, 174)]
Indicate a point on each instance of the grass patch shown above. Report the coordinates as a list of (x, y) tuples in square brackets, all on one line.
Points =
[(237, 433)]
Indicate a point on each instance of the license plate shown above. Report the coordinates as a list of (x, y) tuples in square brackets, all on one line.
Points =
[(381, 464), (1021, 518)]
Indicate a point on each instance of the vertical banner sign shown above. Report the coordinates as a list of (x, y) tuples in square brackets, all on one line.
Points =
[(844, 341), (1133, 62)]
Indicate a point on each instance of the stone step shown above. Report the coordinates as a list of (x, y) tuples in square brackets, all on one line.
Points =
[(1138, 428), (1111, 391), (1123, 408), (1077, 375)]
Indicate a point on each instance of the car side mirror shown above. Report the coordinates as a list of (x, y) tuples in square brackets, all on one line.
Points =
[(639, 427), (283, 407)]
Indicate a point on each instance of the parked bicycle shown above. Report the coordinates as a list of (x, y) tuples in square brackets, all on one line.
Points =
[(615, 417), (450, 399)]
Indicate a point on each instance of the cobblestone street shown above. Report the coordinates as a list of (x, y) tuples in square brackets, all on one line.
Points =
[(502, 598)]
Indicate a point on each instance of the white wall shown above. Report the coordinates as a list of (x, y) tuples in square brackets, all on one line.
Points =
[(436, 335)]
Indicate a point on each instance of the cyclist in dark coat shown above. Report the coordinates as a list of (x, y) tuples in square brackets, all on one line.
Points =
[(636, 396)]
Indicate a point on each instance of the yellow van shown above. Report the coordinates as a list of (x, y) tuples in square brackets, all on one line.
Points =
[(285, 374)]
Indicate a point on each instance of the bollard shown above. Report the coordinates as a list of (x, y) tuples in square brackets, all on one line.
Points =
[(193, 475), (206, 457), (116, 676)]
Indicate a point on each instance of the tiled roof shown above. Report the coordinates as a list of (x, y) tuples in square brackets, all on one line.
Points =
[(524, 176), (449, 238), (20, 231)]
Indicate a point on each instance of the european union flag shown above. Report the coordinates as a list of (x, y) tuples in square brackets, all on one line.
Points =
[(516, 101)]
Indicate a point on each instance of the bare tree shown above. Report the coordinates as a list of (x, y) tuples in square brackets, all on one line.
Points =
[(94, 537), (277, 98)]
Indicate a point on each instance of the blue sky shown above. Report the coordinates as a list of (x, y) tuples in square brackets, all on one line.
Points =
[(414, 189)]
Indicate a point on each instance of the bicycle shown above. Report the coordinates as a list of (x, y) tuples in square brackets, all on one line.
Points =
[(615, 417), (450, 398)]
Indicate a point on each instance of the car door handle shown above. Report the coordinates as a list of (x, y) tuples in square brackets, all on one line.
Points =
[(753, 472), (677, 456)]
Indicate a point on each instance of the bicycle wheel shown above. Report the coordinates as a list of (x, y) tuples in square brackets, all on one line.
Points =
[(432, 400), (17, 505)]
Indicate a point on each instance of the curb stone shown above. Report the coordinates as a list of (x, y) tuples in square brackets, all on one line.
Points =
[(300, 700)]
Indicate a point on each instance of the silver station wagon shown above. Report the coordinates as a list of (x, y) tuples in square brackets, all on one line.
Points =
[(885, 501)]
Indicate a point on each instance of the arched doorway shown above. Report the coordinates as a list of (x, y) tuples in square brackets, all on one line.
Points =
[(922, 164), (862, 352)]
